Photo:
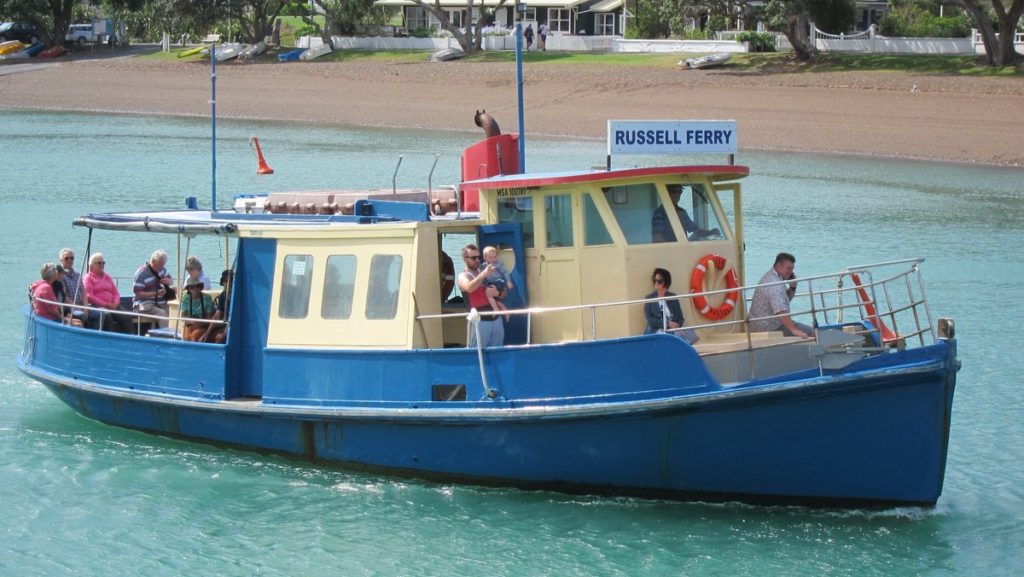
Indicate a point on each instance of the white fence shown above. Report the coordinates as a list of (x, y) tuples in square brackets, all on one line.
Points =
[(555, 43), (869, 41)]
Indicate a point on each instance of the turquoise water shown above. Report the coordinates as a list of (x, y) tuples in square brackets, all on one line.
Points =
[(81, 498)]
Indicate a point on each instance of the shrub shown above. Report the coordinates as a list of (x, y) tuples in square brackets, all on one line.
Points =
[(916, 22), (758, 41)]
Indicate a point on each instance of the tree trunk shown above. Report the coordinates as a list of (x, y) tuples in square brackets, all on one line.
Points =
[(798, 33), (999, 49)]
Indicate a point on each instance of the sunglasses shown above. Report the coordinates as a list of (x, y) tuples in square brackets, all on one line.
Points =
[(473, 257), (69, 258), (101, 262), (659, 281)]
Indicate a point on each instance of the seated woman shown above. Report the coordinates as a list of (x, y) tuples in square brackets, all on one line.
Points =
[(101, 292), (218, 332), (194, 267), (43, 289), (195, 305), (663, 316)]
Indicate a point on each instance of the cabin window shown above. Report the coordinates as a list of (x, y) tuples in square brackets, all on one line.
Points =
[(694, 211), (296, 280), (633, 207), (705, 225), (594, 230), (518, 210), (559, 220), (382, 292), (339, 285)]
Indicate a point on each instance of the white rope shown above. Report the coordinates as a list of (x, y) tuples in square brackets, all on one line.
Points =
[(474, 320)]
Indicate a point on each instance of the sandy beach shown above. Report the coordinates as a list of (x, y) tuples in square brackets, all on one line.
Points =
[(946, 118)]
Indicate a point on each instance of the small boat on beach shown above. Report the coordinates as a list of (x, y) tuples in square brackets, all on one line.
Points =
[(315, 52), (10, 47), (253, 51), (291, 55), (193, 51), (53, 52), (346, 340), (708, 61), (447, 54), (229, 51)]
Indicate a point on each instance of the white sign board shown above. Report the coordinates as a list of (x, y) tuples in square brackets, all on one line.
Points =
[(671, 136)]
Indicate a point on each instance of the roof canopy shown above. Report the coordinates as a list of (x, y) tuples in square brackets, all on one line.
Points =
[(606, 6)]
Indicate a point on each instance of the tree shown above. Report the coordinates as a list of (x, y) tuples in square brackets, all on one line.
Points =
[(350, 17), (999, 47), (52, 17), (471, 38), (793, 18)]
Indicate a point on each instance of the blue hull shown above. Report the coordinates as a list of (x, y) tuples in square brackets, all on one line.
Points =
[(874, 437)]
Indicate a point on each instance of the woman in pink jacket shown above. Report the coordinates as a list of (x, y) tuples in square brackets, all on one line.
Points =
[(43, 289), (101, 292)]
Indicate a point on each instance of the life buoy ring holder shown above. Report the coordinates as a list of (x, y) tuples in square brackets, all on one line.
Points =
[(447, 276), (700, 303)]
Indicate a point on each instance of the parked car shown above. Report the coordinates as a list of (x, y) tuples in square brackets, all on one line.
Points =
[(80, 33), (23, 31)]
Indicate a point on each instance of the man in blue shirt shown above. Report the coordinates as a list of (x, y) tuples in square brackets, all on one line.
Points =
[(150, 286)]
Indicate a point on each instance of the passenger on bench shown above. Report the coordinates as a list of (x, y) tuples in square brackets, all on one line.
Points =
[(152, 284), (666, 314), (101, 292), (218, 332), (195, 305)]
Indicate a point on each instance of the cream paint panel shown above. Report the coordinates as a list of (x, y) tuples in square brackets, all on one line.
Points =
[(426, 291), (357, 331), (602, 281)]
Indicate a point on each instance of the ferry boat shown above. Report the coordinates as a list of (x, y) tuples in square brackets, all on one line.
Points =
[(347, 344)]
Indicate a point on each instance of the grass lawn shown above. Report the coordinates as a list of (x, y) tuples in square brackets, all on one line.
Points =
[(764, 62)]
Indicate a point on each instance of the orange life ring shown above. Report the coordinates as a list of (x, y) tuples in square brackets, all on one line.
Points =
[(447, 276), (700, 303)]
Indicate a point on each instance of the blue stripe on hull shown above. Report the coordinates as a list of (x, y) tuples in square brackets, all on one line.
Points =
[(880, 439)]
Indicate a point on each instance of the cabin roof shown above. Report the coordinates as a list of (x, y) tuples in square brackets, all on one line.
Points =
[(714, 172)]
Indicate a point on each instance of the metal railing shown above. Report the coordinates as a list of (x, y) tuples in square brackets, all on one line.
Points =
[(138, 318), (826, 299)]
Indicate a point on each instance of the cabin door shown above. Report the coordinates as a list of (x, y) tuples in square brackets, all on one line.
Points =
[(559, 270), (508, 236)]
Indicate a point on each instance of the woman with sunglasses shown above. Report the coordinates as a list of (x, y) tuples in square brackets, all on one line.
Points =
[(101, 292), (665, 314)]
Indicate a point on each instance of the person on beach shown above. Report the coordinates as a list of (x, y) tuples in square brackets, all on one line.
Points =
[(543, 30), (471, 283), (769, 309), (528, 36), (497, 277)]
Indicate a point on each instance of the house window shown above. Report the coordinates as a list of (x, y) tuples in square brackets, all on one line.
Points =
[(457, 17), (339, 285), (530, 15), (604, 24), (560, 20), (382, 292), (416, 18), (296, 279)]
